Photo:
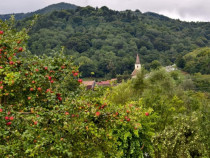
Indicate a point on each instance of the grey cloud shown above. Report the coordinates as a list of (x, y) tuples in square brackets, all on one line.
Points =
[(182, 9)]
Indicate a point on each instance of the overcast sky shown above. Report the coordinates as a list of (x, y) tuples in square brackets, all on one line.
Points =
[(188, 10)]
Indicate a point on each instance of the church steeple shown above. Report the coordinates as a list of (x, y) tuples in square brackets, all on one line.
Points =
[(137, 67), (137, 59), (137, 64)]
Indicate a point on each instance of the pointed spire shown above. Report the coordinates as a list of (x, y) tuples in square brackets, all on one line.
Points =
[(137, 59)]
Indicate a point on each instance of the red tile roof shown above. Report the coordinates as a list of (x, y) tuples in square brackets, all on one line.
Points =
[(87, 83), (134, 73), (103, 83)]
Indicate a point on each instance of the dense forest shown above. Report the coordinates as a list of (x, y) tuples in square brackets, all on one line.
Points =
[(106, 42)]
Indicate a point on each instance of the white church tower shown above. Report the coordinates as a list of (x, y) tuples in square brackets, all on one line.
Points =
[(137, 67)]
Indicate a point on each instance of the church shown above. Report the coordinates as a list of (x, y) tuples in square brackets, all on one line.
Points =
[(137, 67)]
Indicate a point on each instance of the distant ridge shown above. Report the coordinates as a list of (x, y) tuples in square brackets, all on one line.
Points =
[(157, 16), (48, 9)]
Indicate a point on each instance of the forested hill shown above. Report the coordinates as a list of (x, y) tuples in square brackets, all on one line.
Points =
[(48, 9), (197, 61), (106, 41)]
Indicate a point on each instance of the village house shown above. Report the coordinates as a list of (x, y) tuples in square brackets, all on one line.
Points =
[(89, 84)]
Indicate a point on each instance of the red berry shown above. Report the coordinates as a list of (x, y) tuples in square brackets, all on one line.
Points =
[(6, 118), (8, 113), (72, 115), (128, 111), (11, 62), (1, 87), (33, 82), (20, 49), (36, 70), (128, 119), (35, 122), (46, 68), (66, 113), (48, 90), (9, 123), (1, 32), (146, 113), (58, 94), (116, 113), (51, 81), (59, 98), (11, 118), (49, 78), (1, 67), (97, 113), (63, 67), (1, 110), (80, 81), (39, 89), (29, 98), (31, 89), (75, 74), (1, 82)]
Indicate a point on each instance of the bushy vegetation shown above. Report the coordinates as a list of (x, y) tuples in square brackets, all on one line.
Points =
[(45, 113), (180, 112)]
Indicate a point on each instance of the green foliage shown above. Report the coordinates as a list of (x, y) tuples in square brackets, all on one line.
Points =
[(184, 139), (181, 116), (98, 32), (124, 77), (121, 94), (196, 61), (202, 82), (155, 65)]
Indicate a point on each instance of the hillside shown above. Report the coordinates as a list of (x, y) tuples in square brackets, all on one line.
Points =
[(48, 9), (106, 42), (198, 61)]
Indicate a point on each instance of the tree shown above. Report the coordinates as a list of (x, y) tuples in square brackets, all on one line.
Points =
[(155, 65)]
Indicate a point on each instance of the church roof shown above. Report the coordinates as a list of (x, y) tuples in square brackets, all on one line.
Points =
[(134, 73), (137, 59)]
